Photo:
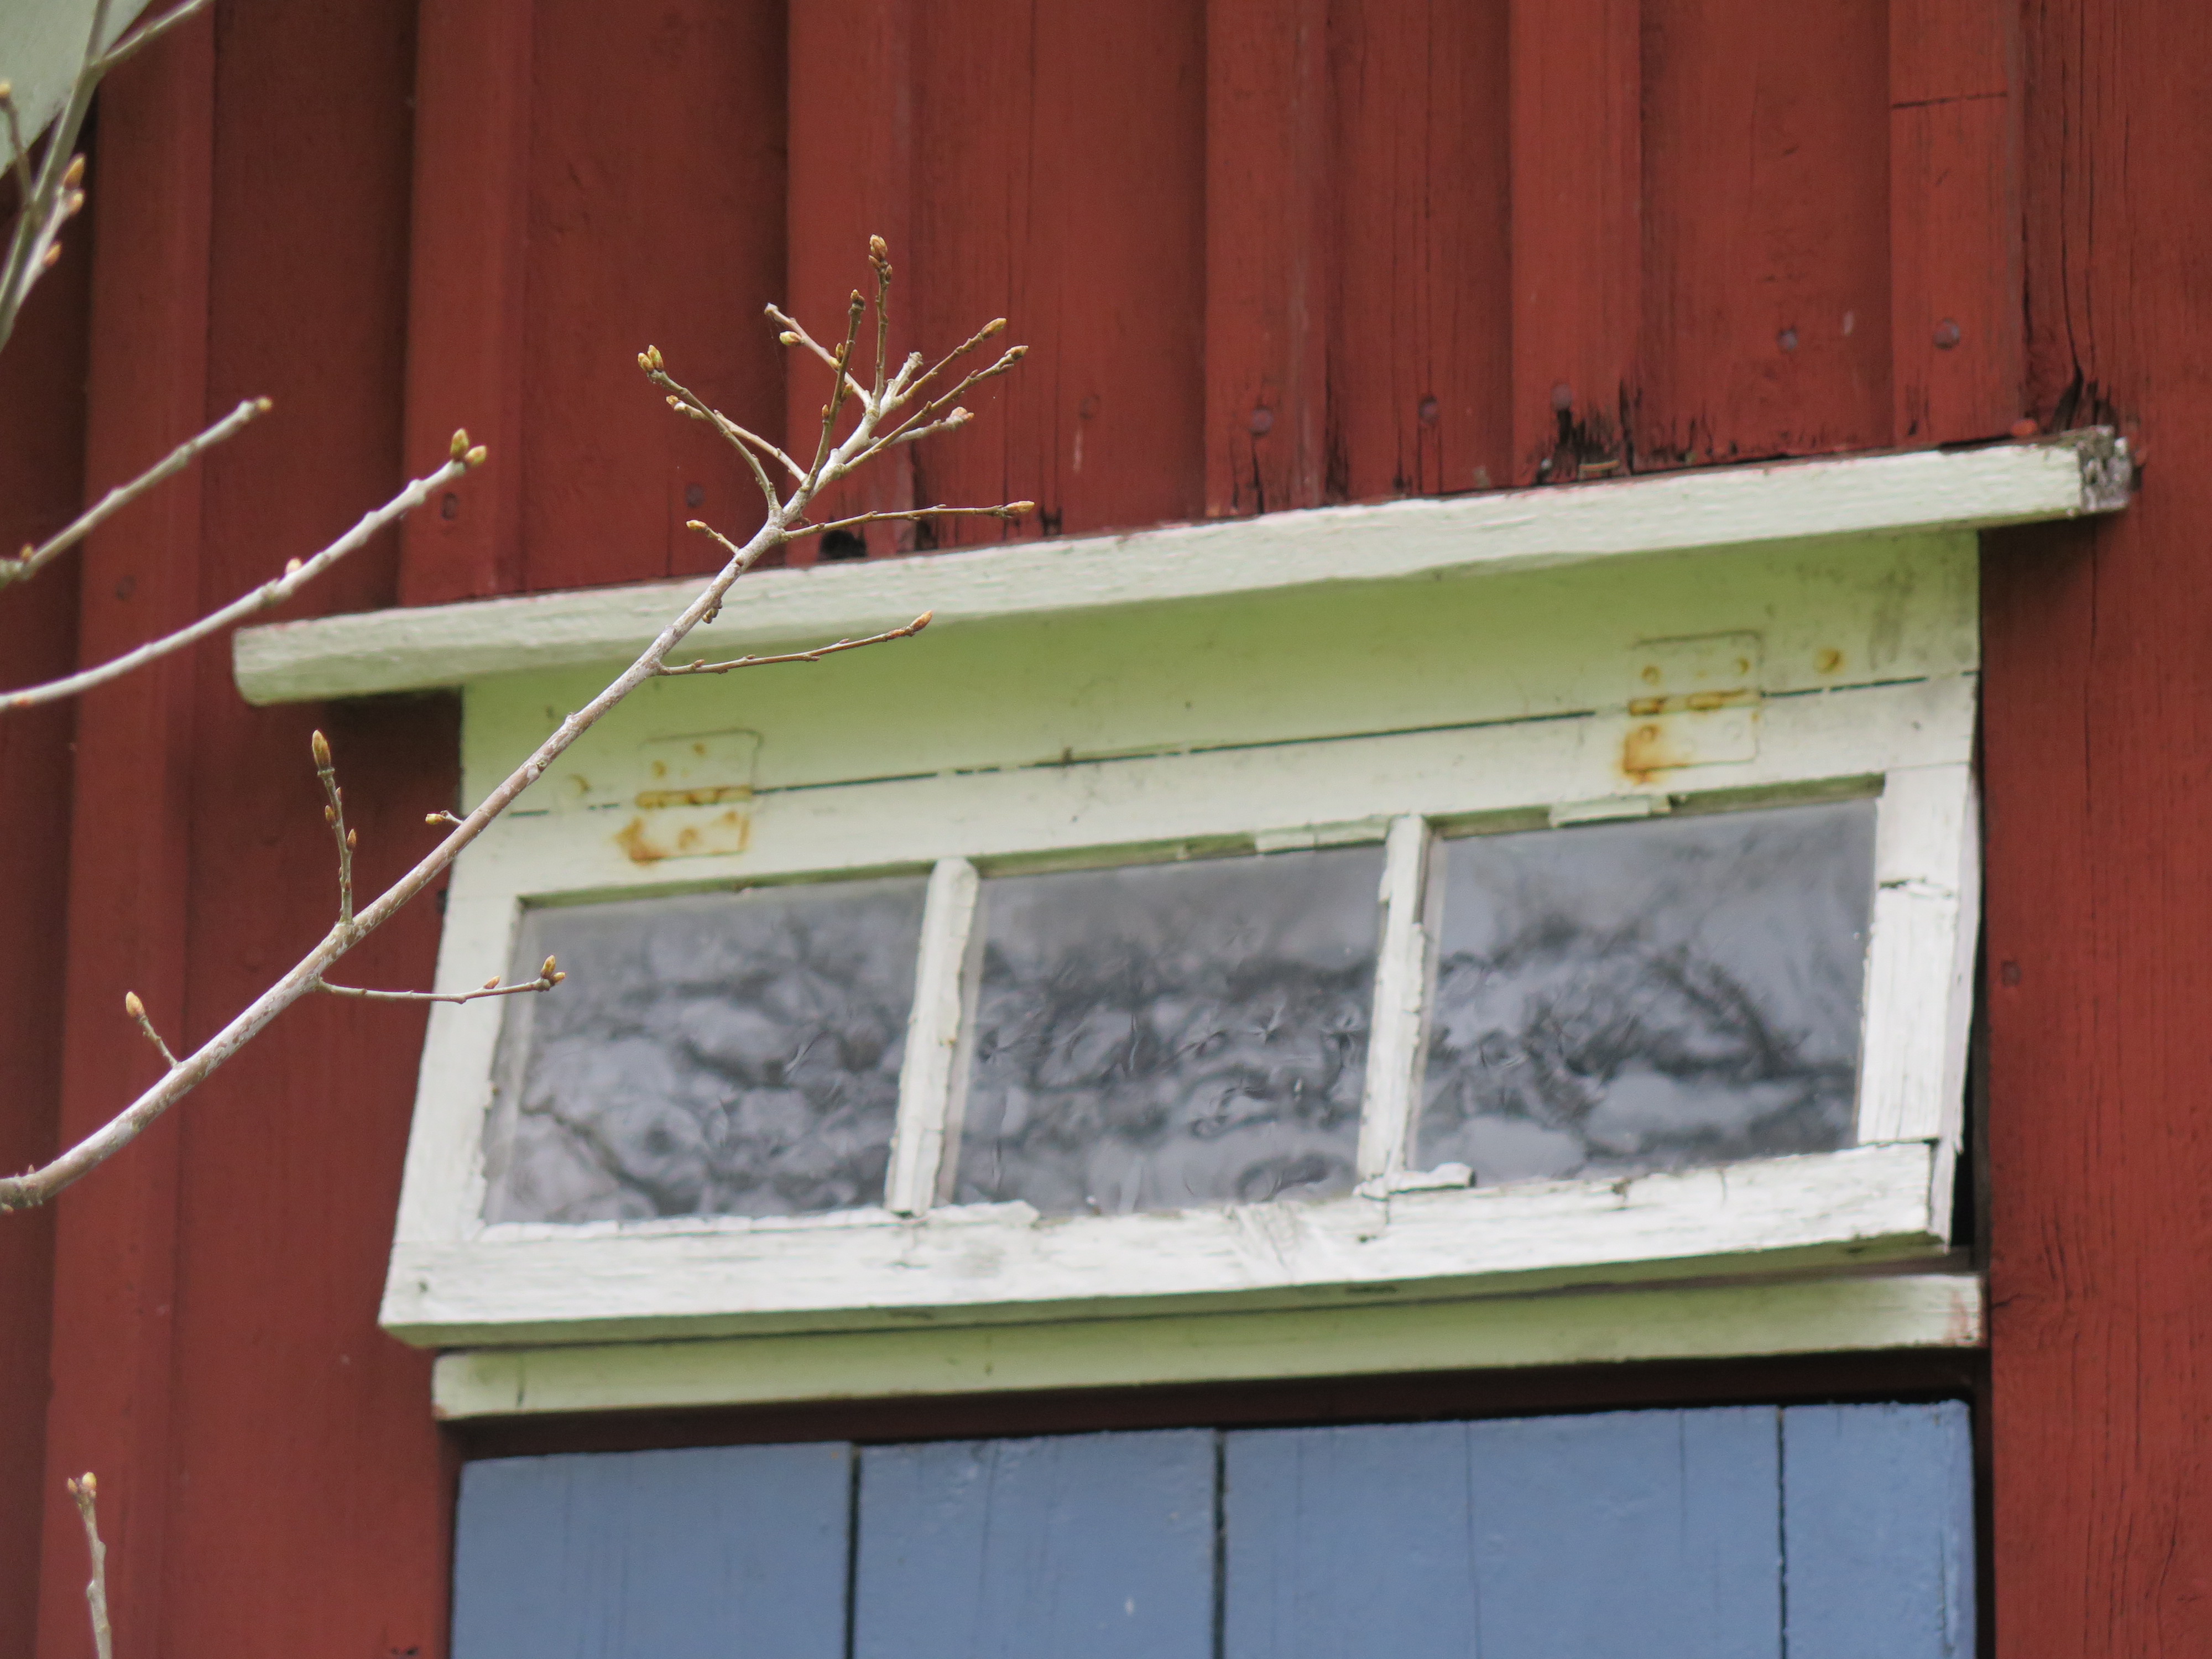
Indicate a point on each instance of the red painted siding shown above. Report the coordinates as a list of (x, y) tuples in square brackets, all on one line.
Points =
[(41, 486), (1356, 248), (2098, 739)]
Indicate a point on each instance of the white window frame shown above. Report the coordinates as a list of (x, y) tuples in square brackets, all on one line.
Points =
[(1877, 551)]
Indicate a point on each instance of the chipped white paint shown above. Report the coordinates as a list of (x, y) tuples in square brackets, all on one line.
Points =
[(984, 1262), (1401, 978), (1320, 714), (1704, 1321), (932, 1032), (1504, 531)]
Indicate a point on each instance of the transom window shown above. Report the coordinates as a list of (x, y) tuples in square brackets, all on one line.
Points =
[(1604, 999), (1412, 905)]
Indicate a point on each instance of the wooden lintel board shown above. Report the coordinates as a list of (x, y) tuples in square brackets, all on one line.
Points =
[(424, 647), (1315, 714), (1651, 1323)]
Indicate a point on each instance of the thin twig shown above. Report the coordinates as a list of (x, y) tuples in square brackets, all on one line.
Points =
[(548, 976), (19, 157), (136, 1010), (33, 560), (787, 521), (54, 196), (127, 48), (297, 574), (795, 335), (86, 1490), (903, 389), (334, 815), (1009, 511), (855, 309), (815, 655), (880, 257)]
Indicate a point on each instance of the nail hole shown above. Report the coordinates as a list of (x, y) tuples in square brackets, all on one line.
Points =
[(1787, 339), (1946, 335), (450, 507), (695, 495), (1089, 407), (1430, 411), (1262, 423)]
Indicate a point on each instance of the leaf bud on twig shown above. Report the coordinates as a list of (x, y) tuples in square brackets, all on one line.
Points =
[(459, 446), (291, 567), (136, 1010), (996, 325), (492, 984), (319, 746), (75, 175), (263, 405), (879, 248), (787, 338), (353, 839), (477, 455)]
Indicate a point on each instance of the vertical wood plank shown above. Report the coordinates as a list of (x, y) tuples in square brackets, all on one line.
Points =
[(656, 216), (1959, 323), (851, 177), (933, 1034), (115, 1268), (1576, 100), (283, 1227), (42, 454), (2098, 697), (1420, 339), (722, 1553), (1878, 1520), (1767, 275), (1654, 1532), (1349, 1541), (1090, 1546), (467, 293), (1912, 1058), (1268, 259), (1094, 251)]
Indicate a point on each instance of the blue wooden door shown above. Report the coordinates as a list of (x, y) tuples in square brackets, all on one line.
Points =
[(1822, 1532)]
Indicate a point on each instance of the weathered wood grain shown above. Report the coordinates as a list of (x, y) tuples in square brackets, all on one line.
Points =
[(1878, 1531), (1095, 1546), (721, 1552)]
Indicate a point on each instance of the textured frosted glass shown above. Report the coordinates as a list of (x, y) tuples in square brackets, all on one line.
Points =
[(1650, 995), (1170, 1035), (724, 1054)]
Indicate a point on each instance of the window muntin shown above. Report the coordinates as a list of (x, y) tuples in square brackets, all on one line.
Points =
[(1617, 997), (1601, 1000), (718, 1054)]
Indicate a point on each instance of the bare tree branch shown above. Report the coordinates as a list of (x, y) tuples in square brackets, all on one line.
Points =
[(787, 520), (147, 34), (334, 815), (297, 574), (136, 1010), (814, 655), (33, 560), (548, 976), (86, 1490)]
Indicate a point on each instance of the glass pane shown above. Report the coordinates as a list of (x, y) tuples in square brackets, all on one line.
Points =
[(1170, 1035), (1650, 995), (723, 1054)]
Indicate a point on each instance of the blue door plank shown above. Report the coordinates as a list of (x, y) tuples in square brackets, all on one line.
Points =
[(1650, 1533), (724, 1553), (1646, 1534), (1878, 1517), (1340, 1542), (1085, 1546)]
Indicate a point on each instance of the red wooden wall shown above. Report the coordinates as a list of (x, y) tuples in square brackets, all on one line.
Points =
[(1268, 256)]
